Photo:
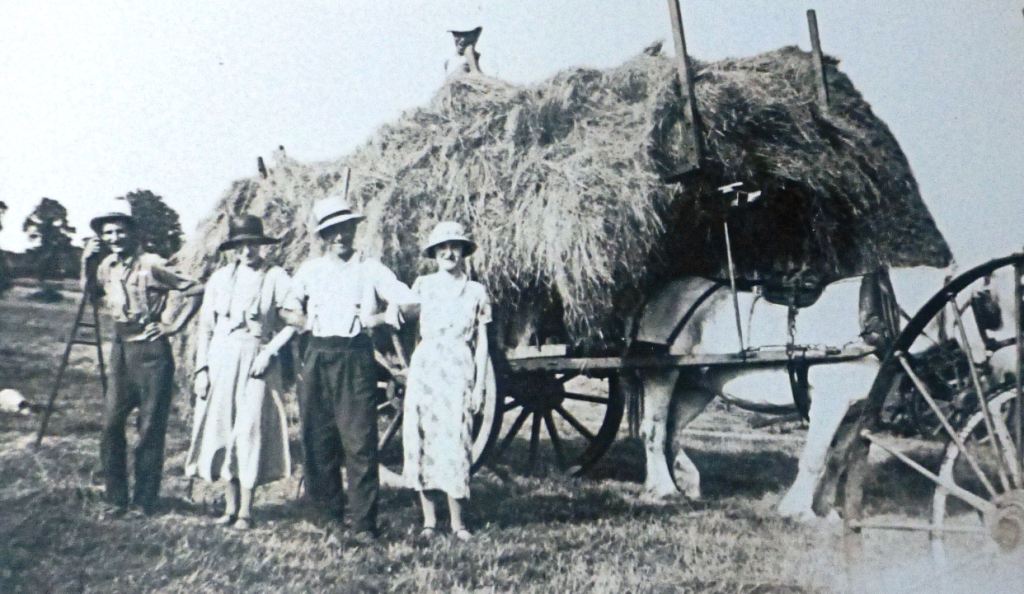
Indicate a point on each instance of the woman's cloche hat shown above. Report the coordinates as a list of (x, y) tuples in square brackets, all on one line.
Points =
[(448, 231), (245, 229), (115, 210), (331, 211)]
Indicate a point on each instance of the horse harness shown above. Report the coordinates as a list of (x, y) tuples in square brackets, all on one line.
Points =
[(796, 360), (878, 323)]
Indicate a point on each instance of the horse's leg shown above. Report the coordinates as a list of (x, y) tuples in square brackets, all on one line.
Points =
[(659, 384), (827, 411), (835, 468), (689, 401)]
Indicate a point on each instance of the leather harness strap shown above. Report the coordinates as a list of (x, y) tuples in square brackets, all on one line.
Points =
[(797, 368), (692, 310)]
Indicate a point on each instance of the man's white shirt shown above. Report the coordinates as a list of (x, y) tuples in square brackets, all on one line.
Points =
[(338, 297)]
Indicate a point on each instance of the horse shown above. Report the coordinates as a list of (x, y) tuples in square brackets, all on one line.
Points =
[(694, 316)]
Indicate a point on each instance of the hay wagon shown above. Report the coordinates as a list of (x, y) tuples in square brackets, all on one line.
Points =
[(585, 190), (944, 404)]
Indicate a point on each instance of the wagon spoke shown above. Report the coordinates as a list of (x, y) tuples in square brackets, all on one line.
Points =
[(945, 423), (575, 423), (997, 443), (957, 491), (586, 398), (1010, 453), (512, 432), (917, 526), (1018, 404), (534, 440), (556, 441), (568, 376), (391, 430), (399, 350)]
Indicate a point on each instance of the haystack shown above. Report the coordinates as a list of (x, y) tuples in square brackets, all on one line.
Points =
[(565, 186)]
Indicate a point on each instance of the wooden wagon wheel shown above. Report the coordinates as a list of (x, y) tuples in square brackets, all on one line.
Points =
[(973, 463), (394, 365), (566, 428)]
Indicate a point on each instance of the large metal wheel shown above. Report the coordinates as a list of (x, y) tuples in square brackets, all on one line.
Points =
[(394, 371), (564, 423), (957, 377)]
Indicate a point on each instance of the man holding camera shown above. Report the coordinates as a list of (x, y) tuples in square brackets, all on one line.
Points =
[(135, 286)]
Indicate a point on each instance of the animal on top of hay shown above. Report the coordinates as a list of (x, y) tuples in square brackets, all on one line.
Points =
[(566, 186)]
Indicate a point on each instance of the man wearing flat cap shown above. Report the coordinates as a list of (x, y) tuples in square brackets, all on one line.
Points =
[(334, 297), (135, 285)]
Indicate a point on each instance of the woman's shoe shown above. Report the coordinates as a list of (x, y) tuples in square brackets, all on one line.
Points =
[(428, 533), (463, 535), (242, 523), (225, 520)]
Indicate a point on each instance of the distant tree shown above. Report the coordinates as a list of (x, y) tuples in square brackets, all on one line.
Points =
[(53, 257), (158, 226)]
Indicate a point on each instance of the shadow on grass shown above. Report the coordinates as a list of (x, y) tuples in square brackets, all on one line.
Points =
[(723, 474)]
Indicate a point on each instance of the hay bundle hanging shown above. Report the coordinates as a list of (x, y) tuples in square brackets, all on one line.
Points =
[(563, 185)]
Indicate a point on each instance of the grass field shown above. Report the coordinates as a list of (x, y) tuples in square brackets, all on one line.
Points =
[(532, 533)]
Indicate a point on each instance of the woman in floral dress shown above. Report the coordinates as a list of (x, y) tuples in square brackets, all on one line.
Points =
[(446, 376), (240, 434)]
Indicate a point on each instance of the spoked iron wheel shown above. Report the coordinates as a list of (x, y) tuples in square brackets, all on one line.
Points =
[(560, 426), (969, 454), (394, 363)]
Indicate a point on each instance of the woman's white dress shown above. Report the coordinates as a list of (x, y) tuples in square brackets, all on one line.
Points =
[(437, 423), (240, 429)]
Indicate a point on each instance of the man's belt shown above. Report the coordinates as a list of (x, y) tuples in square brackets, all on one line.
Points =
[(129, 331), (341, 343)]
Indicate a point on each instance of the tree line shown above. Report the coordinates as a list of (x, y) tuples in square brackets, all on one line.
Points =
[(53, 256)]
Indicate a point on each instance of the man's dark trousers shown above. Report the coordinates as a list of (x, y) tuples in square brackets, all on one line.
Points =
[(141, 376), (339, 424)]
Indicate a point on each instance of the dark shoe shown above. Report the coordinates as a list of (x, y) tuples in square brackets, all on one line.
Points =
[(329, 519), (115, 501), (136, 513), (110, 510), (149, 508)]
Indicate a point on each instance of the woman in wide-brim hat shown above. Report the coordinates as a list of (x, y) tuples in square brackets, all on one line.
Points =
[(446, 377), (240, 434)]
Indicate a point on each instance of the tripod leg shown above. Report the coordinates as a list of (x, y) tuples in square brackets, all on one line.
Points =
[(99, 345), (60, 371)]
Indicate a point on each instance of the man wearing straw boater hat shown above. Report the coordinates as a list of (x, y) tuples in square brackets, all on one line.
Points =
[(334, 297), (135, 285)]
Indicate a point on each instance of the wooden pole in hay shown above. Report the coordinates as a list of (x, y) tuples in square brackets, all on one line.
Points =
[(348, 178), (819, 64), (686, 78)]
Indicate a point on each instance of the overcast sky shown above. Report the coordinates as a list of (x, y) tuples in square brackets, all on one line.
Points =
[(104, 97)]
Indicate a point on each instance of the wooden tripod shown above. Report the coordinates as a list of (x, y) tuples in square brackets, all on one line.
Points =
[(88, 298)]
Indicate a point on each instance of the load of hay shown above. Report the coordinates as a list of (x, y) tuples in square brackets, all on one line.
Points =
[(564, 185)]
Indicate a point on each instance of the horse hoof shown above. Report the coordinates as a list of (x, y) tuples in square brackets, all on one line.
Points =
[(805, 516), (657, 495)]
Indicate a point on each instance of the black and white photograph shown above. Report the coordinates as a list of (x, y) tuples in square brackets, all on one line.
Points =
[(461, 296)]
